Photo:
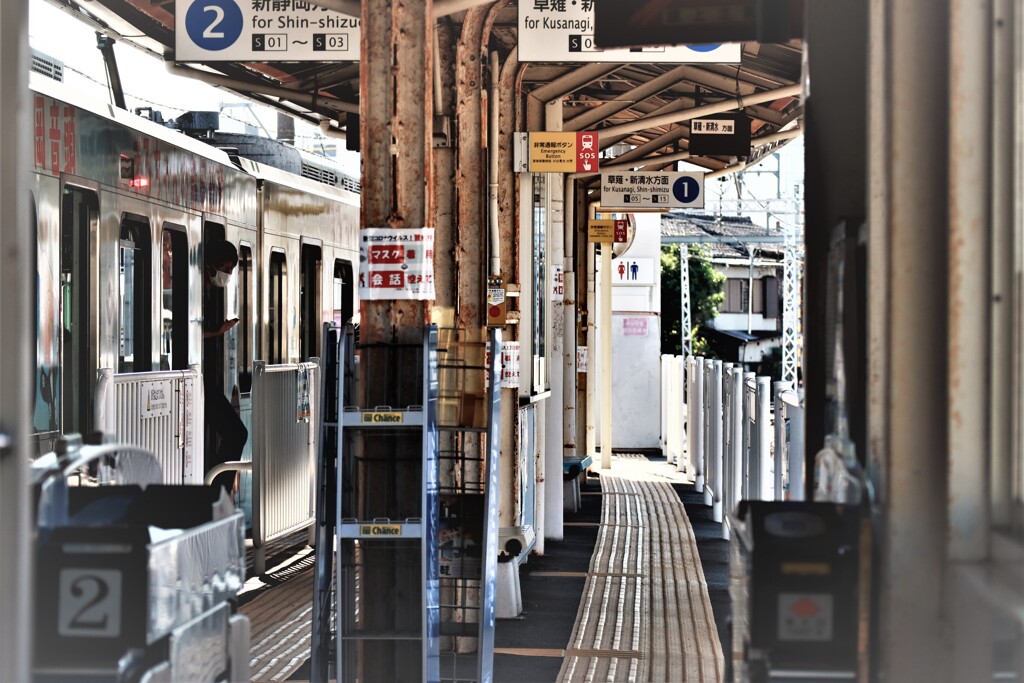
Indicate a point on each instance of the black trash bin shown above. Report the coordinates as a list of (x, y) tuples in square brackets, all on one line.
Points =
[(794, 589)]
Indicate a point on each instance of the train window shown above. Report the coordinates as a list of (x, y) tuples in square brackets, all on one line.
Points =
[(343, 309), (276, 302), (134, 347), (174, 298), (540, 300), (79, 215), (245, 318), (309, 301)]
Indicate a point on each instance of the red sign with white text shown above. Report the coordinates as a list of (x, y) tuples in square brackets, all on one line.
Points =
[(586, 152)]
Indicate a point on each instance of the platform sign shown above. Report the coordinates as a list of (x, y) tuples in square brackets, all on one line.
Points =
[(396, 263), (262, 31), (652, 190), (726, 134), (561, 31), (560, 152), (633, 271), (601, 231)]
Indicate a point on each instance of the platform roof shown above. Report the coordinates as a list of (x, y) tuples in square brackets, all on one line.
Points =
[(632, 104)]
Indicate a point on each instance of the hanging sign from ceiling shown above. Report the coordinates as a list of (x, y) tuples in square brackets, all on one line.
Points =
[(563, 31), (262, 31), (652, 190)]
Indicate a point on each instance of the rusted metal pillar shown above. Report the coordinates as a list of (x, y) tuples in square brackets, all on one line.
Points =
[(396, 114), (396, 110)]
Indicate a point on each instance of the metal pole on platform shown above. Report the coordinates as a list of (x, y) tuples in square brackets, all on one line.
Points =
[(16, 339), (606, 356)]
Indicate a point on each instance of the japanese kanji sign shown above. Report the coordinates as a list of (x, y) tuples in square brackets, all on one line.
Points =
[(607, 231), (563, 152), (658, 190), (563, 31), (262, 31), (396, 263)]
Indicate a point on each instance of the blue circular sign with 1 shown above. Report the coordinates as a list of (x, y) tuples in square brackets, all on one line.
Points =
[(214, 24), (686, 189)]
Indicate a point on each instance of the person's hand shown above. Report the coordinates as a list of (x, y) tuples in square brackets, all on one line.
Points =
[(228, 324)]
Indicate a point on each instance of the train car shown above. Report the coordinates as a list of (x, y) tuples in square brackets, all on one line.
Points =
[(121, 209)]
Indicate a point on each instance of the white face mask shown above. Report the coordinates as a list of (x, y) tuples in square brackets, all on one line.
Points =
[(220, 278)]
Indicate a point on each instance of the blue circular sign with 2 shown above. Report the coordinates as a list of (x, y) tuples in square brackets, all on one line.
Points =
[(686, 190), (705, 47), (214, 24)]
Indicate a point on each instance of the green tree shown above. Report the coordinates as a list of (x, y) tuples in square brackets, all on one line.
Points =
[(706, 295)]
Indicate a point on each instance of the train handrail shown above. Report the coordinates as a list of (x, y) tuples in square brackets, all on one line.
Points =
[(229, 466)]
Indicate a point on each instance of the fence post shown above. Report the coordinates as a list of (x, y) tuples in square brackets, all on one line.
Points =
[(764, 435), (681, 412), (749, 472), (796, 453), (666, 395), (780, 437), (727, 445), (737, 438), (715, 440), (697, 420)]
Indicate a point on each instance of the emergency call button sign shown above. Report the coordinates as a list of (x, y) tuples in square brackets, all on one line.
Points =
[(564, 152)]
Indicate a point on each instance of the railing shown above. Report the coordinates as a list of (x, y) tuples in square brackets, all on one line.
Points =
[(736, 447), (789, 443), (283, 452), (673, 410), (156, 411)]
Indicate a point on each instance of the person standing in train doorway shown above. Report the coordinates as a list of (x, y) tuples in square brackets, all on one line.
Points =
[(225, 432)]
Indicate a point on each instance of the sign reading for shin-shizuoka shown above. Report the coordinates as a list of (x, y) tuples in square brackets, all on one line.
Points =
[(396, 263), (262, 31), (563, 31), (652, 190)]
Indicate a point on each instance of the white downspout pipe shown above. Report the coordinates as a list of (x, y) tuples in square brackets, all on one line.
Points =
[(492, 157)]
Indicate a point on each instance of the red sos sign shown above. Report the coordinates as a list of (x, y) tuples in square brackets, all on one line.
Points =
[(586, 152)]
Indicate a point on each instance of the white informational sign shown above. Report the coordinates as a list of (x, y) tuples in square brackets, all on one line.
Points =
[(713, 126), (155, 399), (582, 357), (557, 283), (396, 263), (510, 364), (89, 603), (302, 395), (658, 190), (633, 271), (634, 327), (262, 31), (563, 31), (805, 616)]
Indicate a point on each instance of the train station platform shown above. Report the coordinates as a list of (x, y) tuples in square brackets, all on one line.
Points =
[(634, 591)]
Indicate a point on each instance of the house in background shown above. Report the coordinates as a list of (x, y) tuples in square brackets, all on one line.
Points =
[(749, 322)]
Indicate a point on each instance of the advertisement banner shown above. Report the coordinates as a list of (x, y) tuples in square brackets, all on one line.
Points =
[(396, 263)]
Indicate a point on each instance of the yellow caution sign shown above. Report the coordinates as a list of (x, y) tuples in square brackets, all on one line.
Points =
[(380, 529), (378, 417), (601, 231)]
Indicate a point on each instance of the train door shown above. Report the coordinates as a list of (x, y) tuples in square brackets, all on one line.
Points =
[(310, 273), (277, 303), (79, 224), (344, 294), (214, 309)]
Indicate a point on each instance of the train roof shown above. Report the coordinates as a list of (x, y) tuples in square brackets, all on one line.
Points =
[(298, 182), (59, 91)]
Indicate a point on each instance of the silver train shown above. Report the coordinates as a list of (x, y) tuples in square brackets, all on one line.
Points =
[(121, 209)]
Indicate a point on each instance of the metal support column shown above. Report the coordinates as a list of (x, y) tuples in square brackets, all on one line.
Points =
[(606, 356), (790, 305), (685, 330), (16, 339)]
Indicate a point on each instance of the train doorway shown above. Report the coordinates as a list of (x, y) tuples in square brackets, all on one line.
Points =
[(79, 222)]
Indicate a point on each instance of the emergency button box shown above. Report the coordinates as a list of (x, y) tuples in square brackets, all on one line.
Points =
[(794, 587)]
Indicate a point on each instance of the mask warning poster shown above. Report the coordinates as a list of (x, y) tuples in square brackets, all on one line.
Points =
[(396, 263)]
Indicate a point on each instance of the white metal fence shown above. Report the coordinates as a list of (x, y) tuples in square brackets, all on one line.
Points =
[(284, 443), (155, 411), (734, 443)]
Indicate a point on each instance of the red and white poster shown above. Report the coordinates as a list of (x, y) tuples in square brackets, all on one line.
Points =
[(396, 263), (510, 352), (557, 283)]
